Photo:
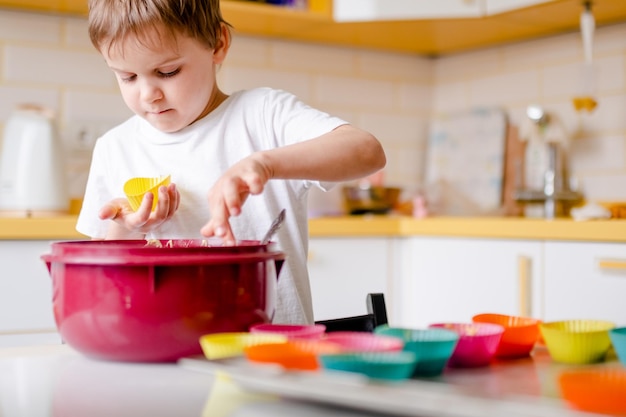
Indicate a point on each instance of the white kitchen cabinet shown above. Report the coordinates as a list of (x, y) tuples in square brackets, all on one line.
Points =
[(452, 279), (371, 10), (585, 280), (492, 7), (344, 270), (26, 314)]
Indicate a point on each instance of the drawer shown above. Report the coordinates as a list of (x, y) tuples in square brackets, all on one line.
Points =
[(585, 281)]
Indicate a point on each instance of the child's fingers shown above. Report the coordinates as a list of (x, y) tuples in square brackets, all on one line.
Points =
[(108, 212)]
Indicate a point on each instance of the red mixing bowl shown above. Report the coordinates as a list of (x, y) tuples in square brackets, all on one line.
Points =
[(129, 301)]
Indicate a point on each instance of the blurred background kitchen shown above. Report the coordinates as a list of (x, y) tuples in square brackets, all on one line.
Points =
[(405, 98)]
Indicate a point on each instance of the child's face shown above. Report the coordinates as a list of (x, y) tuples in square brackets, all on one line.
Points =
[(172, 85)]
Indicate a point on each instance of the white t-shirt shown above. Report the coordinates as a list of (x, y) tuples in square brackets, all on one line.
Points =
[(196, 156)]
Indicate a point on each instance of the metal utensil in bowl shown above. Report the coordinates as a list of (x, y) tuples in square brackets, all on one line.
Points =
[(278, 221)]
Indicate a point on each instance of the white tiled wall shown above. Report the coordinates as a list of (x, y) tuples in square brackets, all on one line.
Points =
[(548, 72), (48, 59)]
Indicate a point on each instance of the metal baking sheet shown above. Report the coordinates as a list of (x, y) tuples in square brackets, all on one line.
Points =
[(517, 388)]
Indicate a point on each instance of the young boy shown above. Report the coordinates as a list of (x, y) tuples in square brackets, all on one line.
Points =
[(262, 147)]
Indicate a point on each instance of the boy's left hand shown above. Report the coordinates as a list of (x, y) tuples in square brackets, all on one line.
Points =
[(131, 224)]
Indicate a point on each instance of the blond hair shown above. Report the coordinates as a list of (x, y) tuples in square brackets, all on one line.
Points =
[(112, 21)]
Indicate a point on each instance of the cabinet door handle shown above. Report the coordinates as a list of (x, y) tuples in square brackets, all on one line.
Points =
[(525, 281), (612, 264)]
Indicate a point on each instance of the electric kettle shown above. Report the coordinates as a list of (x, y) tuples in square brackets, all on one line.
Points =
[(32, 175)]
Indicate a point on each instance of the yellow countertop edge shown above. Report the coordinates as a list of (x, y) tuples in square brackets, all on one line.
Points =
[(33, 228), (354, 226), (63, 227), (613, 230)]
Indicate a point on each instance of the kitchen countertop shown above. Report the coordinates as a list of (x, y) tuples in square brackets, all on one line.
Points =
[(55, 380), (62, 227)]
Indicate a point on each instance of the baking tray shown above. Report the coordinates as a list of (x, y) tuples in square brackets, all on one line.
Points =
[(502, 389)]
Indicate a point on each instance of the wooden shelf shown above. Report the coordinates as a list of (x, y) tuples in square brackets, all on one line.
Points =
[(424, 37)]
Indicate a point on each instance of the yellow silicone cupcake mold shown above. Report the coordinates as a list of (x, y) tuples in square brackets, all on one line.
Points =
[(226, 345), (136, 188), (577, 341)]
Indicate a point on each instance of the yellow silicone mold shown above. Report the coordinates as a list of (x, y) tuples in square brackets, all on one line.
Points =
[(577, 341), (226, 345), (136, 188)]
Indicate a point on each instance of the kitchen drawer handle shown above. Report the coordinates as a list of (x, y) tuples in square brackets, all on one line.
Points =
[(524, 281), (612, 264)]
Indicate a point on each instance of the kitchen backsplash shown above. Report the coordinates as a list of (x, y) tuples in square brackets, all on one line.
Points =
[(48, 59)]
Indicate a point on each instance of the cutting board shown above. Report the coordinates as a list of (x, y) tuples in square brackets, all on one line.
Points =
[(513, 172), (465, 163)]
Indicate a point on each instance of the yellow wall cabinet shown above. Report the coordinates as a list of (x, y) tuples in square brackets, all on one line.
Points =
[(422, 27)]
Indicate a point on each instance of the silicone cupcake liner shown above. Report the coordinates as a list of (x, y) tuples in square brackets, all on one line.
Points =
[(618, 338), (477, 343), (136, 188), (364, 342), (288, 355), (432, 347), (295, 354), (390, 366), (316, 346), (577, 341), (225, 345), (519, 337), (292, 331), (596, 390)]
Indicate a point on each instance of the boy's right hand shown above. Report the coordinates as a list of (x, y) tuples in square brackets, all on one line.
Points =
[(129, 224), (230, 192)]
